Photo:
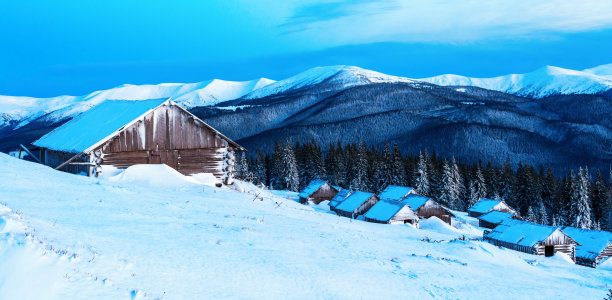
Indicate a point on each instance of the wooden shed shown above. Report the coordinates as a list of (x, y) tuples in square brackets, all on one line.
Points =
[(426, 207), (532, 238), (392, 212), (594, 247), (121, 133), (486, 205), (318, 191), (340, 196), (493, 218), (356, 204), (395, 192)]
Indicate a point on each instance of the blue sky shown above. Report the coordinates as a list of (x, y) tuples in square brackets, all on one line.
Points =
[(58, 47)]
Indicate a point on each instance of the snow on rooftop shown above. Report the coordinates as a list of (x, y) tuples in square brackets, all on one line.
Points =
[(484, 205), (340, 196), (495, 216), (312, 187), (521, 232), (394, 192), (353, 201), (384, 210), (591, 242), (95, 125), (415, 201)]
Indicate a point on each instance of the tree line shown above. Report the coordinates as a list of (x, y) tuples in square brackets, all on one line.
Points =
[(578, 199)]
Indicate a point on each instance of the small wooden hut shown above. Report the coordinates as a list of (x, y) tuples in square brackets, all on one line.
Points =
[(340, 196), (356, 204), (318, 191), (426, 207), (395, 192), (493, 218), (594, 247), (532, 238), (486, 205), (392, 212), (122, 133)]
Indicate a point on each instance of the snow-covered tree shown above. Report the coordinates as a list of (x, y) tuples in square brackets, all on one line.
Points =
[(531, 216), (360, 180), (422, 176), (452, 186), (288, 172), (398, 173), (242, 167), (543, 214), (478, 188), (580, 211), (259, 167)]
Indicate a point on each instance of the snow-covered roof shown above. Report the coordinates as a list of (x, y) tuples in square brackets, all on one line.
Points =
[(592, 242), (384, 210), (415, 201), (312, 187), (521, 232), (340, 196), (353, 201), (495, 217), (484, 205), (96, 125), (394, 192)]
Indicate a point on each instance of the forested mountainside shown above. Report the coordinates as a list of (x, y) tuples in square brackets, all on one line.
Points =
[(466, 122)]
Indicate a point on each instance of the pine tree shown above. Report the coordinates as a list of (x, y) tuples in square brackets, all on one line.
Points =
[(531, 217), (543, 214), (457, 189), (398, 172), (242, 167), (259, 167), (479, 187), (386, 174), (422, 177), (288, 171), (598, 198), (360, 180), (474, 196), (580, 211)]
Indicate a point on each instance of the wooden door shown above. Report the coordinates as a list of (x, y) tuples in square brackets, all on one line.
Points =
[(549, 250)]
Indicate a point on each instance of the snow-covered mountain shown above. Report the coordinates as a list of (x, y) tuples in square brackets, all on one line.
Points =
[(540, 83), (22, 110), (340, 77)]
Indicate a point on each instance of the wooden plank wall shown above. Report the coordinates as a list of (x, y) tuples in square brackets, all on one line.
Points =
[(325, 192), (433, 209)]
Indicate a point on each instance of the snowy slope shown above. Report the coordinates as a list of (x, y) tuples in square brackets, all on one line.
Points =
[(24, 109), (603, 71), (540, 83), (73, 237), (338, 76)]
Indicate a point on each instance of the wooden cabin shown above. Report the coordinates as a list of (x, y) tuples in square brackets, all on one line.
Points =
[(122, 133), (595, 246), (395, 192), (486, 205), (426, 207), (318, 191), (531, 238), (493, 218), (356, 204), (340, 196), (392, 212)]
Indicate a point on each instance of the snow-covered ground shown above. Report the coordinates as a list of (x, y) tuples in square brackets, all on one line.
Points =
[(65, 236)]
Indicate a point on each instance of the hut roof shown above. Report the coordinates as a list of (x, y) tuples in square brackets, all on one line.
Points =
[(100, 123), (384, 210), (484, 205), (592, 242), (91, 128), (340, 196), (353, 201), (394, 192), (521, 232), (312, 187), (495, 217), (415, 201)]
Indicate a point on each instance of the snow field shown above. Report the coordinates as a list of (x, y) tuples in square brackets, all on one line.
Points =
[(128, 237)]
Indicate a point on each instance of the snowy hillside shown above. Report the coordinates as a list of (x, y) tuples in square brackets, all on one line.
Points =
[(25, 109), (540, 83), (64, 236), (603, 70), (339, 76)]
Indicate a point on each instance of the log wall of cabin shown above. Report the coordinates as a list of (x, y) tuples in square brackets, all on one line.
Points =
[(569, 249), (363, 208), (171, 136), (504, 208), (325, 192), (433, 209), (607, 252), (53, 159), (406, 214)]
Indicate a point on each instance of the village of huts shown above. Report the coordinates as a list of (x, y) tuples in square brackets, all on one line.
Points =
[(501, 224)]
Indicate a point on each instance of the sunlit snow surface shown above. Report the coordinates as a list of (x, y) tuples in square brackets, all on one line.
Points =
[(72, 237)]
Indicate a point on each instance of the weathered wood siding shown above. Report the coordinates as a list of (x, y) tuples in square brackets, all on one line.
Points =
[(433, 209), (55, 158), (503, 207), (604, 254), (405, 215), (559, 240), (169, 135), (362, 209), (325, 192)]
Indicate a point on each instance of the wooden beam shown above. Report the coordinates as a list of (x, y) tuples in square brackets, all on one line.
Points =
[(82, 164), (68, 161), (28, 151)]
